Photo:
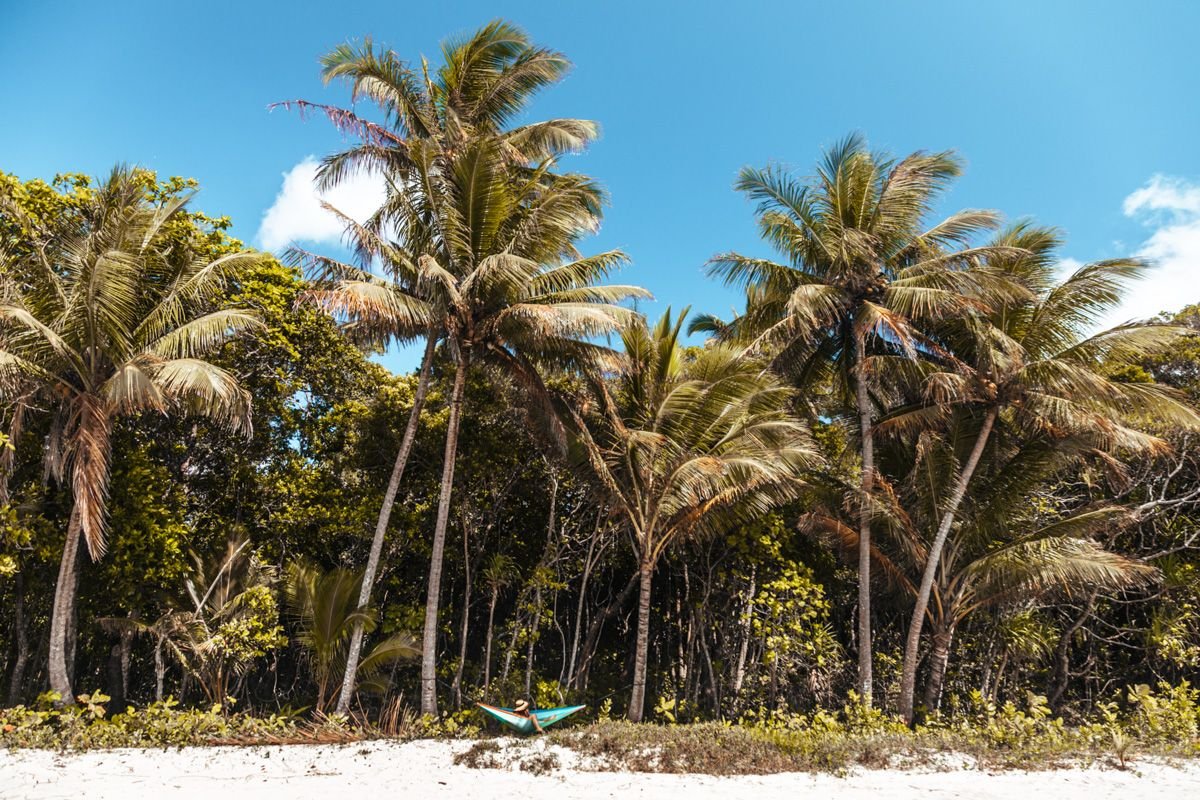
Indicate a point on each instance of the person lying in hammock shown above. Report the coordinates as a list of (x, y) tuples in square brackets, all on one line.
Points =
[(522, 708)]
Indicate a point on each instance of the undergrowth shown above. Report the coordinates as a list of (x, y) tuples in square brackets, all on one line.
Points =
[(1144, 722)]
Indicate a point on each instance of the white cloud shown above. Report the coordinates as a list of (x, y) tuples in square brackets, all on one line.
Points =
[(1170, 208), (297, 215)]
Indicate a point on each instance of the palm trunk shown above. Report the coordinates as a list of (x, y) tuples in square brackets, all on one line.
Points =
[(63, 611), (912, 646), (867, 443), (637, 699), (429, 639), (939, 656), (385, 515), (466, 619)]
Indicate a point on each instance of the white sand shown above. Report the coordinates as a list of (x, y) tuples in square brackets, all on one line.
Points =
[(425, 769)]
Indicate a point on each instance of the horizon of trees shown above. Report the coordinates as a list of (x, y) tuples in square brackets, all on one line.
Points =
[(912, 465)]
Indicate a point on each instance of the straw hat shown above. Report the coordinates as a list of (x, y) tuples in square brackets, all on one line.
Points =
[(522, 705)]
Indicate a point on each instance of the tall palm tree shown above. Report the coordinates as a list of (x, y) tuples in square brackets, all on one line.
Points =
[(516, 294), (377, 311), (684, 443), (1009, 547), (485, 81), (1031, 364), (113, 317), (864, 274)]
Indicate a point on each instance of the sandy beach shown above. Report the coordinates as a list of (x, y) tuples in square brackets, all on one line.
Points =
[(426, 769)]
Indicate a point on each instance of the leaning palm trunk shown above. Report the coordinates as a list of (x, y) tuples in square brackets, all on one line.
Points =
[(912, 646), (64, 609), (637, 698), (939, 656), (429, 637), (385, 514), (867, 443)]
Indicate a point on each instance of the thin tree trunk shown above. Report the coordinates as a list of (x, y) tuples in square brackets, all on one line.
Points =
[(867, 443), (939, 656), (537, 597), (432, 599), (466, 618), (20, 639), (912, 646), (487, 657), (63, 611), (583, 584), (160, 670), (1062, 652), (597, 625), (637, 699), (740, 674), (385, 515), (533, 630)]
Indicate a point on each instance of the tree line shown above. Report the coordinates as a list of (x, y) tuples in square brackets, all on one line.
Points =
[(914, 460)]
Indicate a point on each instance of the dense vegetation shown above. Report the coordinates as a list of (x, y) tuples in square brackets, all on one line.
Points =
[(913, 473)]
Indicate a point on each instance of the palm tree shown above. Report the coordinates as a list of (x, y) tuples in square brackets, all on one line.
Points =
[(326, 607), (516, 294), (1011, 546), (113, 317), (486, 80), (863, 275), (377, 311), (685, 443), (1031, 364)]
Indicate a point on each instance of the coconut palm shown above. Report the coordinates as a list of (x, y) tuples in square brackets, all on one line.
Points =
[(113, 317), (1030, 364), (1010, 547), (376, 311), (684, 443), (515, 294), (486, 80), (326, 608), (863, 274)]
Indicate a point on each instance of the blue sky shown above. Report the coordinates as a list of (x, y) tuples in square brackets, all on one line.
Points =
[(1083, 115)]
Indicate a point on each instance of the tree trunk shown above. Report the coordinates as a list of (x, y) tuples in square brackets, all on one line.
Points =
[(466, 619), (597, 625), (1062, 652), (912, 646), (160, 669), (537, 597), (432, 599), (385, 515), (533, 631), (867, 443), (939, 656), (63, 611), (739, 675), (487, 652), (583, 584), (20, 641), (637, 699)]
